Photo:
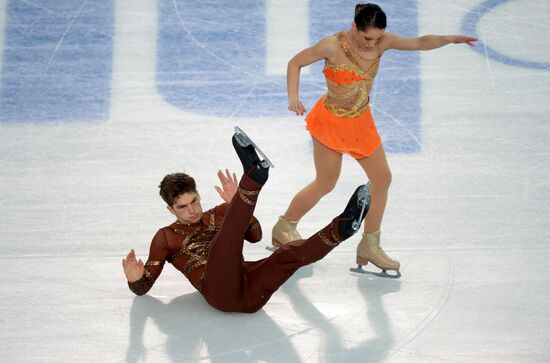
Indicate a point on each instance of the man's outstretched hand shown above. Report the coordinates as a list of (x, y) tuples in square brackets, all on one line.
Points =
[(133, 269), (229, 185)]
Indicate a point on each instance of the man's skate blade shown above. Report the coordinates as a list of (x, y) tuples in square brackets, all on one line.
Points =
[(359, 269), (244, 140)]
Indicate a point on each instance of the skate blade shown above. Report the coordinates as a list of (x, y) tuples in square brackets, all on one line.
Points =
[(271, 248), (363, 200), (359, 269), (244, 140)]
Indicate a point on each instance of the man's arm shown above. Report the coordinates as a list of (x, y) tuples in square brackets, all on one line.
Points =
[(133, 269), (140, 276), (254, 231), (227, 191)]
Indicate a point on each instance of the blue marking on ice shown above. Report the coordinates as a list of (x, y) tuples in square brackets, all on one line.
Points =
[(57, 61), (211, 60), (469, 26)]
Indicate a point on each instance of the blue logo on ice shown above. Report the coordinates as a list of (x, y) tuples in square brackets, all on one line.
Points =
[(211, 60), (57, 61)]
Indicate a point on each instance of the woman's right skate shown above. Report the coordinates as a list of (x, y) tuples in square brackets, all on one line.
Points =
[(369, 250)]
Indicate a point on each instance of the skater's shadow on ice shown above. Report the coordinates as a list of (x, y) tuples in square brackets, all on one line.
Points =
[(197, 332), (373, 349), (377, 348)]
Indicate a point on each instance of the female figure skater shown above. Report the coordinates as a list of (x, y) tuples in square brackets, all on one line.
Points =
[(341, 121)]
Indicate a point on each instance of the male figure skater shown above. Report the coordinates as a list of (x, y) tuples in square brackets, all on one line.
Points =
[(207, 246)]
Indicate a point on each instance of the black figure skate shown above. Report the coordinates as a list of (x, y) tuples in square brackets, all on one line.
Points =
[(356, 210), (248, 153)]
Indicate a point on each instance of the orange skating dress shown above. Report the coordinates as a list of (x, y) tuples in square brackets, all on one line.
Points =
[(341, 119)]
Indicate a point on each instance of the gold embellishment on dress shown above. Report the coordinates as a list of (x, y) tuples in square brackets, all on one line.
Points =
[(355, 94), (346, 49), (349, 100), (368, 75), (342, 112), (344, 46), (154, 263), (352, 90)]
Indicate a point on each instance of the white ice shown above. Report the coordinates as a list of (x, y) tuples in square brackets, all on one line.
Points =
[(468, 214)]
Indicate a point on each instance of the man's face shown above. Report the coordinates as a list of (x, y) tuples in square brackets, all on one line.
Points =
[(187, 208)]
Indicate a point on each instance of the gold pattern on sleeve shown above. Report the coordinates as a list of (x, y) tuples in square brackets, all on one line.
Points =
[(327, 241), (334, 241), (244, 194), (154, 263), (148, 277)]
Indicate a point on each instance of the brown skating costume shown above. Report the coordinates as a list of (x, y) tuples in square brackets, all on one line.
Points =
[(209, 254), (186, 247)]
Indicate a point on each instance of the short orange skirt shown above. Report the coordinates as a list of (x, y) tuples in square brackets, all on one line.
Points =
[(357, 137)]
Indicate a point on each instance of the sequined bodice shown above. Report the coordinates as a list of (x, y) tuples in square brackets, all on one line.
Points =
[(348, 84)]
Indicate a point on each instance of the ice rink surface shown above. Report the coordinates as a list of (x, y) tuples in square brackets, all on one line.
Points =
[(100, 99)]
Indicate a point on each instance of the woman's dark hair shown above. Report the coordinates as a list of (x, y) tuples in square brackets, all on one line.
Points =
[(174, 185), (369, 16)]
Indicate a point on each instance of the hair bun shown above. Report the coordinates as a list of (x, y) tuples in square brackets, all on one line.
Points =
[(359, 7)]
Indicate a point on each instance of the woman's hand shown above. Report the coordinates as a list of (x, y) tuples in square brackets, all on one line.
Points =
[(461, 39), (133, 269), (229, 185), (297, 107)]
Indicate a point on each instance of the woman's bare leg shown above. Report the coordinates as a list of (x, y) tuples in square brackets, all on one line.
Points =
[(369, 249), (328, 164), (378, 171)]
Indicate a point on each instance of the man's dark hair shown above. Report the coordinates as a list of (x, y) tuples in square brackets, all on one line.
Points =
[(174, 185), (369, 16)]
